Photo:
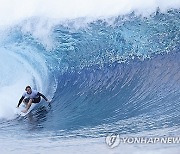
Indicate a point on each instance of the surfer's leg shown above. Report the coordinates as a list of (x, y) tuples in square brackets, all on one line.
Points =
[(25, 101), (28, 106)]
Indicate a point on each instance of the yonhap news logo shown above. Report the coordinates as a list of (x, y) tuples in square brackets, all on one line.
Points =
[(114, 139)]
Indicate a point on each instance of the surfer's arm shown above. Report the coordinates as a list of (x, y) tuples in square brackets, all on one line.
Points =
[(20, 101), (39, 94)]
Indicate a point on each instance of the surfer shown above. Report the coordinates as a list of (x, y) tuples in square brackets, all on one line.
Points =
[(29, 97)]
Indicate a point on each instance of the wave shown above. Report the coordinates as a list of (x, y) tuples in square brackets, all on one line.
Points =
[(140, 90), (107, 74)]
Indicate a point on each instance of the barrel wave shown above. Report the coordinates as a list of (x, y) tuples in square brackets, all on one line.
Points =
[(120, 75)]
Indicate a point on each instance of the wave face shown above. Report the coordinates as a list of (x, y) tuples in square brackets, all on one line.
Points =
[(126, 70), (116, 75)]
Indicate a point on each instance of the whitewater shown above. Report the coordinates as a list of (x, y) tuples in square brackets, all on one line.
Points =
[(108, 67)]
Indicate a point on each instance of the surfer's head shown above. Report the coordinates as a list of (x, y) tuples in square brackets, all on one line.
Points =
[(28, 89)]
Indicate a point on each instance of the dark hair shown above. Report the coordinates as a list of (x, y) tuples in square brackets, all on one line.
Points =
[(27, 88)]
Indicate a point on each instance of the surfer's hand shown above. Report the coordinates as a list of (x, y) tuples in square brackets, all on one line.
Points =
[(17, 106)]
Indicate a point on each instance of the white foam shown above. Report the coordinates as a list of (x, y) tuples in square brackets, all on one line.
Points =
[(14, 10), (48, 13), (15, 74), (51, 12)]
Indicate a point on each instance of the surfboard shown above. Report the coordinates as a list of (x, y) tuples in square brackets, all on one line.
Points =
[(23, 107)]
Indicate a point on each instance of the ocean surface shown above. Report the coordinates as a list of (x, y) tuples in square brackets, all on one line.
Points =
[(117, 74)]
